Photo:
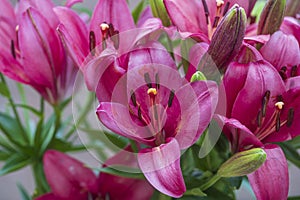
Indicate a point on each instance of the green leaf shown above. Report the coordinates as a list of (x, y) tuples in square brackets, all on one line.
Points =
[(32, 109), (24, 194), (291, 154), (137, 11), (294, 198), (113, 171), (4, 143), (64, 146), (4, 155), (185, 51), (14, 163), (12, 129), (4, 90)]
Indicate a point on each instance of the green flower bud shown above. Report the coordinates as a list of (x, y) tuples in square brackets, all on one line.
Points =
[(271, 17), (292, 8), (159, 10), (198, 76), (243, 163), (225, 42)]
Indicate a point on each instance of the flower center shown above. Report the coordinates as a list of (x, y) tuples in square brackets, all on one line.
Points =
[(265, 128)]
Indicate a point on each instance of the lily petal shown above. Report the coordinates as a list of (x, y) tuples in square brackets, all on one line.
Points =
[(271, 180), (73, 33), (68, 177), (161, 167), (48, 196), (291, 26), (115, 12), (70, 3)]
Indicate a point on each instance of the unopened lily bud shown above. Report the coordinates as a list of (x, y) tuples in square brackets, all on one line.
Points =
[(243, 163), (198, 76), (159, 10), (225, 42), (271, 17), (292, 8)]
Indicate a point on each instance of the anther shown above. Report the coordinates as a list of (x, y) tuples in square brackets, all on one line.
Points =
[(148, 80), (259, 118), (116, 39), (205, 10), (111, 29), (282, 73), (294, 71), (171, 97), (216, 21), (12, 49), (152, 91), (133, 98), (92, 42), (157, 81), (290, 117), (265, 102), (277, 122), (226, 8), (140, 113)]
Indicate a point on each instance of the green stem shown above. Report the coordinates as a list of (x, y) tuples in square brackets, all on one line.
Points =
[(39, 178), (24, 101), (170, 46), (12, 103), (210, 183), (82, 115)]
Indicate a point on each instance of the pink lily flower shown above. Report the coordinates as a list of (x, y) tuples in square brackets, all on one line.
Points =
[(32, 52), (71, 179), (261, 109), (152, 105)]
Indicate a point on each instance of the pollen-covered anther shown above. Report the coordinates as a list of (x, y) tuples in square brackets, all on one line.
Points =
[(152, 91), (279, 105)]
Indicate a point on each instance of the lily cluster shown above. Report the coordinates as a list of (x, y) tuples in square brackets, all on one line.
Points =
[(243, 73)]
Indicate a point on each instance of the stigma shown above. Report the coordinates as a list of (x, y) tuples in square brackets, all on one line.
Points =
[(104, 26), (279, 105), (152, 91)]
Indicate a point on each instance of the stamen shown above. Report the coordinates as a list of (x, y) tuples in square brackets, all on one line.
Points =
[(152, 91), (259, 118), (92, 42), (111, 30), (133, 98), (265, 101), (12, 49), (277, 121), (282, 73), (205, 10), (116, 39), (171, 97), (157, 81), (290, 117), (148, 80), (279, 98), (294, 71), (226, 8)]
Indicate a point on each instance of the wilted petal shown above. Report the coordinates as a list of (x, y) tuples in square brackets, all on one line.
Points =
[(68, 177), (197, 104), (73, 33), (161, 167), (282, 50), (271, 180), (115, 12)]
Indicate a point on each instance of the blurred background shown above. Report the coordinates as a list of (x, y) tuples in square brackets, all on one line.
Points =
[(8, 183)]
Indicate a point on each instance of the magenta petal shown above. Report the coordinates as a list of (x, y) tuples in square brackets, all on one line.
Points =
[(197, 104), (115, 12), (68, 177), (271, 180), (145, 15), (74, 33), (291, 26), (124, 188), (117, 118), (161, 167), (287, 55), (41, 47), (48, 196), (261, 77), (70, 3)]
